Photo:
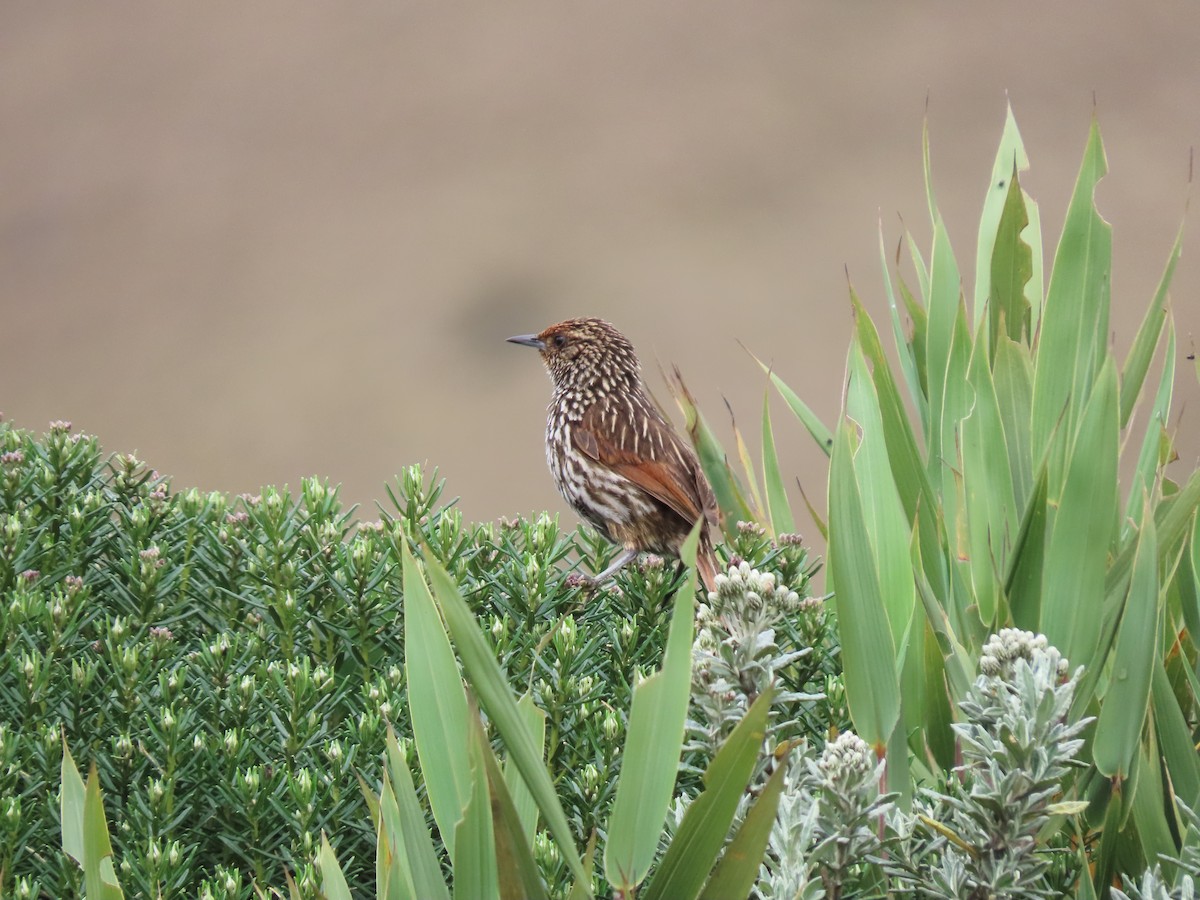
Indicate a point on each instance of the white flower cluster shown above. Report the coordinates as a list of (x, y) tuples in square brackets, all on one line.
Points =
[(750, 593), (1004, 648), (847, 760), (735, 655)]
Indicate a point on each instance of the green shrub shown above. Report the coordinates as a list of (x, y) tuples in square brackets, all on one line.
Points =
[(231, 664)]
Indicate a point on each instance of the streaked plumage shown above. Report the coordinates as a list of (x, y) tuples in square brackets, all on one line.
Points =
[(614, 458)]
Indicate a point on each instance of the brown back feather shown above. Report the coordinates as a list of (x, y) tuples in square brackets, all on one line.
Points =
[(655, 459)]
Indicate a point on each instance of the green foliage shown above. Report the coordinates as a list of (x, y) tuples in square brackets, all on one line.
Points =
[(85, 832), (973, 834), (1157, 884), (989, 497), (979, 835), (492, 856), (230, 665), (820, 824)]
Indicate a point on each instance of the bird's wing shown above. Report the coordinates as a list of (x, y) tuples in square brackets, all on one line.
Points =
[(628, 435)]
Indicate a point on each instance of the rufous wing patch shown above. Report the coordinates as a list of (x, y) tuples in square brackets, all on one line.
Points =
[(667, 480)]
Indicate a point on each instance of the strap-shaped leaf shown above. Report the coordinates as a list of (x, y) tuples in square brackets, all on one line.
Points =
[(738, 869), (419, 851), (437, 704), (1074, 329), (490, 685), (868, 653), (1125, 704), (652, 746), (693, 851)]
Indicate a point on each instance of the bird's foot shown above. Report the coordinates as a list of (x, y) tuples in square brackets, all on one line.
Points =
[(585, 583)]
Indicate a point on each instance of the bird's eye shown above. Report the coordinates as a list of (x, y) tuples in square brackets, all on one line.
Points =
[(560, 341)]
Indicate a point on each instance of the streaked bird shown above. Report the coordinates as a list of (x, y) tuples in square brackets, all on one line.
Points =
[(614, 458)]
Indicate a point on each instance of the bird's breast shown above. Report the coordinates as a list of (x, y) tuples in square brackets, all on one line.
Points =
[(593, 490)]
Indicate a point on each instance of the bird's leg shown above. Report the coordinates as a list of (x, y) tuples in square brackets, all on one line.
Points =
[(623, 559)]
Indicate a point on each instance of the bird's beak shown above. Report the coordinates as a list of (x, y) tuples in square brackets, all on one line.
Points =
[(528, 340)]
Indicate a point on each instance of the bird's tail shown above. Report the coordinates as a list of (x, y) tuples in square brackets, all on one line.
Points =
[(706, 564)]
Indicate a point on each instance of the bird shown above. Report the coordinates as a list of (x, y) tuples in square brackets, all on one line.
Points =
[(615, 458)]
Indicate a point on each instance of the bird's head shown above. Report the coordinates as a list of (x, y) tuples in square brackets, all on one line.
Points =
[(584, 353)]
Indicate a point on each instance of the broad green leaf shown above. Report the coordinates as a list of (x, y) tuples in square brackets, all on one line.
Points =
[(1035, 286), (777, 501), (474, 860), (910, 476), (1074, 330), (1170, 550), (1137, 363), (990, 508), (70, 806), (1108, 803), (518, 875), (747, 468), (1173, 517), (85, 830), (1143, 483), (948, 349), (333, 882), (393, 874), (959, 664), (1148, 808), (98, 872), (1011, 267), (1081, 533), (490, 685), (428, 883), (1184, 680), (945, 463), (936, 714), (919, 322), (822, 525), (915, 310), (1175, 739), (731, 498), (653, 745), (1010, 159), (904, 348), (913, 686), (582, 888), (737, 872), (1188, 584), (699, 838), (898, 777), (800, 409), (887, 528), (1013, 378), (1126, 702), (945, 369), (1084, 889), (868, 652), (1027, 564), (535, 722), (928, 167), (369, 796), (437, 704)]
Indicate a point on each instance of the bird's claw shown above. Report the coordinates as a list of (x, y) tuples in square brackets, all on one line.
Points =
[(585, 583)]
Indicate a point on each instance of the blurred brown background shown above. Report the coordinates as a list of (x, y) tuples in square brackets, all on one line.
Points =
[(258, 241)]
